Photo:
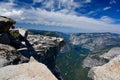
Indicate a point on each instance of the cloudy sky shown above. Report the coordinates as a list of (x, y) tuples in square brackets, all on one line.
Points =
[(64, 15)]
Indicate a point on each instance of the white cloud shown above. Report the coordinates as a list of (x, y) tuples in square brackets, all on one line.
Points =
[(11, 1), (50, 4), (112, 2), (37, 1), (88, 1), (39, 16), (106, 8), (106, 19), (90, 12), (7, 9)]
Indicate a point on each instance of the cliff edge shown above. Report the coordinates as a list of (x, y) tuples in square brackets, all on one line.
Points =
[(17, 46)]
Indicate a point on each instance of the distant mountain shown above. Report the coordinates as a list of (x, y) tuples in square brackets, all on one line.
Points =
[(93, 41)]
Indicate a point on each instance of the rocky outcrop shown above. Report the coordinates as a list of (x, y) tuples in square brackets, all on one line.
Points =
[(92, 62), (45, 50), (6, 24), (10, 56), (110, 70), (20, 46), (27, 71), (112, 53), (8, 33), (98, 59)]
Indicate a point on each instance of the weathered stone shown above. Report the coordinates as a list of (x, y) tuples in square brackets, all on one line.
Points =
[(27, 71), (114, 52), (45, 50), (5, 24), (9, 55), (91, 62), (108, 71)]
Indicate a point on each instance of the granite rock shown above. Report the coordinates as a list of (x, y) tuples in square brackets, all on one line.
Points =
[(108, 71), (26, 71), (9, 56), (6, 24)]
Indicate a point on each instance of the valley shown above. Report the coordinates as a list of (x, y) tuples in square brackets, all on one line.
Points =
[(82, 52)]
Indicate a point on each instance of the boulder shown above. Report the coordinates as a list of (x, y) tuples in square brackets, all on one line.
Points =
[(5, 24), (27, 71), (9, 56)]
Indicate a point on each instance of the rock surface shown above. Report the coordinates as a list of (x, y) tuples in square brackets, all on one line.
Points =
[(9, 56), (91, 62), (108, 71), (93, 41), (5, 24), (27, 71), (43, 48), (114, 52), (18, 48)]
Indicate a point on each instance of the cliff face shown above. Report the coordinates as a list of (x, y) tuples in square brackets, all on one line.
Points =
[(19, 50), (108, 71), (93, 41)]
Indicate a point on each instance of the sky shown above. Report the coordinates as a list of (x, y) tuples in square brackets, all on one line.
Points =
[(64, 15)]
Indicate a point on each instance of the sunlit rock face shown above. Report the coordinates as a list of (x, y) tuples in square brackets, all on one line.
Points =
[(112, 53), (108, 71), (27, 71)]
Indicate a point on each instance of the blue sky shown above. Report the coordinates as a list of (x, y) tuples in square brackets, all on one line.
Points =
[(64, 15)]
